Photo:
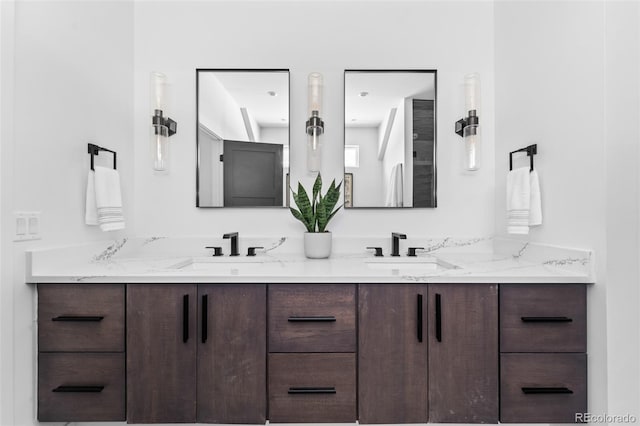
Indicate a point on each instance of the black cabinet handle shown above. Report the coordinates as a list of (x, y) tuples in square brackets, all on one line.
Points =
[(546, 319), (546, 390), (205, 315), (312, 390), (92, 389), (312, 319), (438, 318), (78, 318), (419, 318), (185, 318)]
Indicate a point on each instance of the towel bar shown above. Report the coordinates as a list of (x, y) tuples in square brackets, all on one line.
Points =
[(95, 150), (531, 150)]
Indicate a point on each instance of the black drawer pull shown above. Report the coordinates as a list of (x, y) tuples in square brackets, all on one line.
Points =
[(419, 319), (438, 318), (312, 390), (92, 389), (205, 317), (546, 390), (78, 318), (312, 319), (185, 318), (546, 319)]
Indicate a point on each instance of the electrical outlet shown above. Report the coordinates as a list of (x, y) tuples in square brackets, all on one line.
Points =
[(27, 226)]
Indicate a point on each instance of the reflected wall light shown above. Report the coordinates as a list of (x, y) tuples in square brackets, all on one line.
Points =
[(315, 125), (469, 127), (162, 127)]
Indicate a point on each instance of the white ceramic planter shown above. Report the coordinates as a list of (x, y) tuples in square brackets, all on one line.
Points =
[(317, 245)]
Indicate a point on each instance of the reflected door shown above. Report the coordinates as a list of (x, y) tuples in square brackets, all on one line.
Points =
[(252, 174)]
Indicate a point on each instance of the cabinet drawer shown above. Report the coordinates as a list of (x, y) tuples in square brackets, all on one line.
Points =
[(542, 388), (81, 387), (312, 318), (543, 318), (312, 388), (81, 317)]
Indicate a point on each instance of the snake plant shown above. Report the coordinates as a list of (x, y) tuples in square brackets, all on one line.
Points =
[(316, 213)]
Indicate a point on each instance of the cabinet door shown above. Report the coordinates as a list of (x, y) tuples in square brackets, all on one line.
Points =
[(161, 353), (232, 353), (392, 355), (463, 353)]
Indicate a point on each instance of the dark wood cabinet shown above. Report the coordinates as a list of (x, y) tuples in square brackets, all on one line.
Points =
[(463, 353), (81, 360), (178, 375), (392, 353), (232, 354), (543, 360), (377, 353), (161, 353), (312, 318), (312, 387)]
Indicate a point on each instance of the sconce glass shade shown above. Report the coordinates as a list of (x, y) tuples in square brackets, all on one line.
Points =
[(159, 132), (315, 125), (161, 148), (471, 132), (472, 147), (472, 92), (316, 86)]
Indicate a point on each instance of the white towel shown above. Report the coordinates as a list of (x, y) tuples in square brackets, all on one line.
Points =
[(518, 201), (108, 200), (395, 189), (535, 203), (91, 209)]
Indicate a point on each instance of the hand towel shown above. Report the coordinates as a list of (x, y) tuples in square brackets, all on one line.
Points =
[(108, 199), (518, 201), (91, 210), (535, 203), (395, 189)]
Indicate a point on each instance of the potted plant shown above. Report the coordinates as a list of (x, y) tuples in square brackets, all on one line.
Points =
[(315, 214)]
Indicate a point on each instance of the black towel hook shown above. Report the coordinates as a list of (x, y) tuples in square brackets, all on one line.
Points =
[(95, 150), (531, 150)]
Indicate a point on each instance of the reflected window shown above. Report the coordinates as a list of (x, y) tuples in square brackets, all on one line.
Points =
[(352, 156)]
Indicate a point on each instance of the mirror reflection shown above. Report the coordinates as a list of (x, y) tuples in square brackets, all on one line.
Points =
[(242, 138), (390, 138)]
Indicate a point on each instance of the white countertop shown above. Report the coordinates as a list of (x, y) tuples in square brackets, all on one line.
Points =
[(170, 260)]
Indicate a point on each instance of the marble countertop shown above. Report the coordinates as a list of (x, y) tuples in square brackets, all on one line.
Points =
[(185, 260)]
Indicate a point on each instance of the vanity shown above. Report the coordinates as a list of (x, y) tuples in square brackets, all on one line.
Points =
[(464, 343)]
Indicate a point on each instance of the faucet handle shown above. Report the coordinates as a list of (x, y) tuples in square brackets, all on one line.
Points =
[(412, 251), (378, 251), (251, 251), (217, 251)]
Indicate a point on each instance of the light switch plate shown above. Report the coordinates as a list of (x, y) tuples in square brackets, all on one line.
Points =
[(27, 226)]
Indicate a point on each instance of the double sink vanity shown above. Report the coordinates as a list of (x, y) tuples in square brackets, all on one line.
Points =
[(467, 331)]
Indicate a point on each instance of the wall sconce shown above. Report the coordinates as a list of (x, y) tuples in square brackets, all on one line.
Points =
[(315, 125), (161, 127), (469, 127)]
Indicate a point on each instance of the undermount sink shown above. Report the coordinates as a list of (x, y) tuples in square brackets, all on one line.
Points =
[(419, 263), (217, 264)]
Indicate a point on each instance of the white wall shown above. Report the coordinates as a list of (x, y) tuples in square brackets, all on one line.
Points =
[(6, 133), (278, 35), (567, 79), (622, 136), (367, 179), (218, 110), (72, 83)]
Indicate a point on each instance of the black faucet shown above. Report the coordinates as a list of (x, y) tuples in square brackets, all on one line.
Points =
[(395, 242), (234, 242)]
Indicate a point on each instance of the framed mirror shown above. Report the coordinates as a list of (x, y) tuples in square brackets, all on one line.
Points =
[(242, 137), (390, 138)]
